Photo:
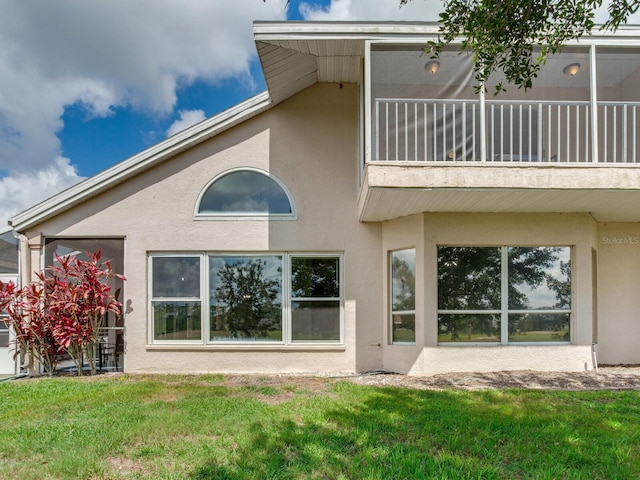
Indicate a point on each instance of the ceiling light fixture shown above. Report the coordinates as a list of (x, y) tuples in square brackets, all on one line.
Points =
[(432, 66), (571, 70)]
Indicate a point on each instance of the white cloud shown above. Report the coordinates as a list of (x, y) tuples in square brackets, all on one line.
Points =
[(187, 119), (27, 188), (416, 10), (105, 54)]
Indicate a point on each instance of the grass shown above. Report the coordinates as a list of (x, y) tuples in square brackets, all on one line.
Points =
[(210, 426)]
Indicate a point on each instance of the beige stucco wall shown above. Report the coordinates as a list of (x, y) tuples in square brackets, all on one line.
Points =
[(428, 231), (407, 232), (310, 143), (618, 330)]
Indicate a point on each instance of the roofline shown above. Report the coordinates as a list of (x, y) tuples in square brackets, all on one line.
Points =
[(289, 30), (309, 30), (142, 161)]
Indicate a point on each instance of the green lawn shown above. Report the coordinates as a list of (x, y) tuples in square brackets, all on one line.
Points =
[(209, 426)]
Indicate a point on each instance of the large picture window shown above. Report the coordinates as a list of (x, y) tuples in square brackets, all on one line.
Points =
[(403, 296), (245, 295), (276, 298), (504, 294)]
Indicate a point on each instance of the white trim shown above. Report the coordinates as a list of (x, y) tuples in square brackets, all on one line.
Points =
[(396, 31), (593, 86), (368, 137), (141, 162), (240, 215)]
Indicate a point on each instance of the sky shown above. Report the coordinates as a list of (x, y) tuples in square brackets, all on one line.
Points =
[(87, 84)]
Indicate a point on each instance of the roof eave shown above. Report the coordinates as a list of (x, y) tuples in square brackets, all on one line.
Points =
[(142, 161)]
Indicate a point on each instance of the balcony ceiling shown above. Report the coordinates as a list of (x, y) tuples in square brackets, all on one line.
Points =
[(609, 194)]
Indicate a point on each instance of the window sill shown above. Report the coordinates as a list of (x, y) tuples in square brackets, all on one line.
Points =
[(245, 348)]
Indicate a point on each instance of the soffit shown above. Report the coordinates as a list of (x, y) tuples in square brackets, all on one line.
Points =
[(290, 66)]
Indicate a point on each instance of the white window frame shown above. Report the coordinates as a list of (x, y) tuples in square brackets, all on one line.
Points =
[(390, 297), (285, 300), (292, 299), (246, 215), (504, 310), (153, 299), (206, 318)]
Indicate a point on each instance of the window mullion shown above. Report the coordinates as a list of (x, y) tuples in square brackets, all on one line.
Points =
[(286, 298), (504, 295), (205, 316)]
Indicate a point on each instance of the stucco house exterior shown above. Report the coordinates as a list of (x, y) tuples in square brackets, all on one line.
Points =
[(372, 211)]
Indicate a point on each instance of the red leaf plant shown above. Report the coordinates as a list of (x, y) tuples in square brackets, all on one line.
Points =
[(79, 297), (63, 310), (31, 323)]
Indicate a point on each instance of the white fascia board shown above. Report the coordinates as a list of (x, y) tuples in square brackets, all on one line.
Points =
[(142, 161), (266, 31)]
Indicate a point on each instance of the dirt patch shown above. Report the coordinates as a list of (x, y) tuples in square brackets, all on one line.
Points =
[(125, 465), (275, 389), (625, 377)]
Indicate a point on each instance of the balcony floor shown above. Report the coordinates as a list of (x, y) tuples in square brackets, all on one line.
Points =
[(610, 193)]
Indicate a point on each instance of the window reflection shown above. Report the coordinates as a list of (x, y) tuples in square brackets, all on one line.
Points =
[(403, 296), (246, 298), (471, 284), (245, 192), (8, 253), (315, 299)]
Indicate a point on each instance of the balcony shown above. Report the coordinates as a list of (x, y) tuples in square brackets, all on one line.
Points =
[(568, 145), (433, 130)]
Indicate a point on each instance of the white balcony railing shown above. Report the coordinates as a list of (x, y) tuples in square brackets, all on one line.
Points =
[(514, 131)]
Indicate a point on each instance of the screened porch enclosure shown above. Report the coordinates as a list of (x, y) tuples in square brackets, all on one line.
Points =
[(574, 113)]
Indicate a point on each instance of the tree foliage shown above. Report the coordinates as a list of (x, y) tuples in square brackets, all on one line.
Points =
[(515, 37)]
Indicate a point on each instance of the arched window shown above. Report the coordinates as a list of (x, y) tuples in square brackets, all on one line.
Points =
[(246, 193)]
